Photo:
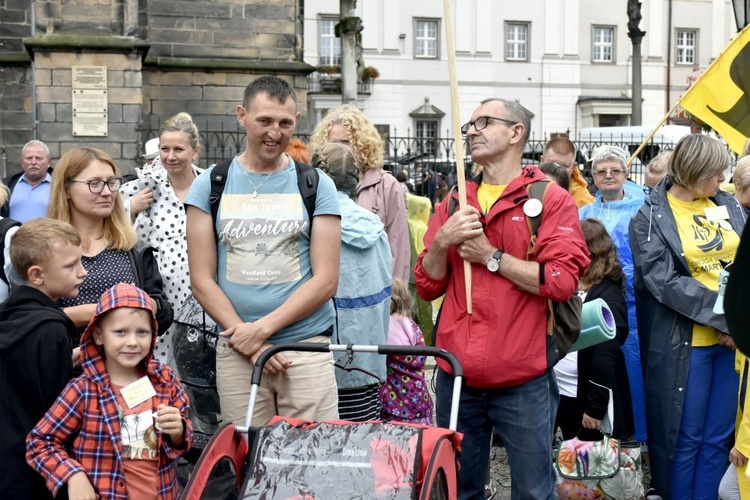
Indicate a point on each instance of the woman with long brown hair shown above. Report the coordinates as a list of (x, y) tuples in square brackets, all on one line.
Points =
[(587, 376)]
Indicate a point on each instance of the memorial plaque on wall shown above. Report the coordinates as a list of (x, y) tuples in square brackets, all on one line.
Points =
[(89, 101)]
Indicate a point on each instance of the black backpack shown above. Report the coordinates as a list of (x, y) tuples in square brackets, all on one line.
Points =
[(307, 183), (5, 225)]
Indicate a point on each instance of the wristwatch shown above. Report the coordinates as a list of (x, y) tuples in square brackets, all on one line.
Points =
[(494, 263)]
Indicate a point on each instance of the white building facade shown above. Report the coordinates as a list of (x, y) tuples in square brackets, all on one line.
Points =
[(569, 62)]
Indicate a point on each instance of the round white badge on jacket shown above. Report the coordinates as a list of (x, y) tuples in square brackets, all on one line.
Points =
[(532, 207)]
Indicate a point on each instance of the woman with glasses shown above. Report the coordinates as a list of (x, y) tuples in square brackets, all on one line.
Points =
[(377, 191), (84, 193), (683, 236), (160, 221), (614, 206)]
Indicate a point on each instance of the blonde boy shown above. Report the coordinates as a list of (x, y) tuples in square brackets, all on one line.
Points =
[(35, 349)]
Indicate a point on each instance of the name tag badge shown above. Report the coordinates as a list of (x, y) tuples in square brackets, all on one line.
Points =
[(139, 391), (719, 213)]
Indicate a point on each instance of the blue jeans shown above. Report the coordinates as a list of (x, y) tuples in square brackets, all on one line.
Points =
[(708, 415), (523, 416)]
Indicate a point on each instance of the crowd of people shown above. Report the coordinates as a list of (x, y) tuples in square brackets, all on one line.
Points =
[(283, 244)]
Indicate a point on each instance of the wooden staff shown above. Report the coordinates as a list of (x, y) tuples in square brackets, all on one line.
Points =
[(460, 169)]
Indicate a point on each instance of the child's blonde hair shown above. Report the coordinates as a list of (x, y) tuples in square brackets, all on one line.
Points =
[(34, 242), (400, 298)]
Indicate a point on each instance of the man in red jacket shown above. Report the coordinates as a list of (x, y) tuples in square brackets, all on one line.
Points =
[(503, 346)]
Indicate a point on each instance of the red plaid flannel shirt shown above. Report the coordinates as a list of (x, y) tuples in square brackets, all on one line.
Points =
[(87, 412)]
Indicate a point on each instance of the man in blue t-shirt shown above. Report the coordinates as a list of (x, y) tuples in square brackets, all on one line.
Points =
[(270, 277), (30, 189)]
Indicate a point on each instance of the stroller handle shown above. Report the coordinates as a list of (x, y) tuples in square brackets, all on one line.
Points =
[(382, 349)]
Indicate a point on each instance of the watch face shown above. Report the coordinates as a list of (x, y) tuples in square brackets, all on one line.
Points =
[(493, 265)]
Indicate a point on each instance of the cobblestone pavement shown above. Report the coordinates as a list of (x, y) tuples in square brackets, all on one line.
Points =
[(499, 467), (500, 471)]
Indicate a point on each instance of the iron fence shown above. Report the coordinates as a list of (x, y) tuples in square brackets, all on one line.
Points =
[(436, 154)]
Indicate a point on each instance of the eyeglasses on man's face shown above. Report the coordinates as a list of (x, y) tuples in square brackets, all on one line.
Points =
[(615, 172), (482, 122), (96, 186)]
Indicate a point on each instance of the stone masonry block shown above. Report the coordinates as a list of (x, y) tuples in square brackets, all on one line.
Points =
[(169, 78), (58, 60), (64, 112), (211, 93), (215, 52), (132, 79), (14, 16), (182, 37), (46, 112), (209, 78), (269, 10), (115, 78), (43, 77), (124, 95), (176, 92), (113, 149), (55, 131), (159, 22), (212, 107), (123, 131), (54, 94), (131, 113), (11, 44), (114, 113), (61, 77), (130, 150), (240, 80), (167, 108), (276, 54), (8, 30), (189, 9)]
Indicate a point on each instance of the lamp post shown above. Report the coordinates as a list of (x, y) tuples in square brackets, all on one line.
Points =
[(636, 35), (741, 12)]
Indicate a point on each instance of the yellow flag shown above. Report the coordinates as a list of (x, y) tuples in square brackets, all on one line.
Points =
[(721, 96)]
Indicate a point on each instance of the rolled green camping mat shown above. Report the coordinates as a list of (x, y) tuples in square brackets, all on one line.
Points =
[(597, 325)]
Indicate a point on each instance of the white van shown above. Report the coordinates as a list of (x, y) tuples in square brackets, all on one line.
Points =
[(630, 138)]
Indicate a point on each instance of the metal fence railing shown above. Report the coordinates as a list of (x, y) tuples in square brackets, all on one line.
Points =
[(438, 154)]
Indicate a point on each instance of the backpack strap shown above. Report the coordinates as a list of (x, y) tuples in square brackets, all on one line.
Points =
[(537, 190), (5, 225), (218, 180), (307, 184)]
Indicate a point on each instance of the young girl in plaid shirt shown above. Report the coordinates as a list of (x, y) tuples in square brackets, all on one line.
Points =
[(103, 437)]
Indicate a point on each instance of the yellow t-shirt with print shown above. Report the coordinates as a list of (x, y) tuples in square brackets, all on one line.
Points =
[(487, 195), (704, 244)]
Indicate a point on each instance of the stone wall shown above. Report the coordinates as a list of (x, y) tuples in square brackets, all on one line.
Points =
[(162, 57)]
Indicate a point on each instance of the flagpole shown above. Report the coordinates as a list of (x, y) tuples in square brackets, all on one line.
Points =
[(458, 140), (645, 141), (692, 86)]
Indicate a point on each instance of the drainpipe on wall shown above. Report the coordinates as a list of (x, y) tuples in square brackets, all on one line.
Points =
[(32, 19)]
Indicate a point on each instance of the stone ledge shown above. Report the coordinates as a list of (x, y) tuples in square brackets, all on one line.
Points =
[(14, 59), (192, 63), (85, 41)]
